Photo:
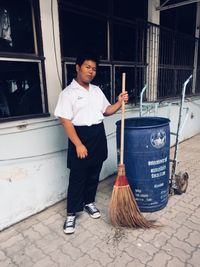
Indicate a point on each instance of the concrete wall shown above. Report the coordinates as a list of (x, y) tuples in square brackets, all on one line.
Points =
[(33, 173), (33, 160)]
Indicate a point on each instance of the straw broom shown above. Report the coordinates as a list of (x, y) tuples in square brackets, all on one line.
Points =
[(123, 209)]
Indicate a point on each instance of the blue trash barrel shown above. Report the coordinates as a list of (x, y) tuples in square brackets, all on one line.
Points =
[(146, 158)]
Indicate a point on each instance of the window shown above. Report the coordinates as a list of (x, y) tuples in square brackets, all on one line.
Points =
[(103, 80), (22, 85), (177, 47), (16, 27), (176, 57), (20, 89), (84, 33), (95, 5), (181, 19), (135, 77), (130, 9), (69, 73), (125, 41), (104, 28), (125, 36)]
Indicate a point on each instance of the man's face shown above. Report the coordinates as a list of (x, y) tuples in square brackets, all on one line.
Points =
[(87, 71)]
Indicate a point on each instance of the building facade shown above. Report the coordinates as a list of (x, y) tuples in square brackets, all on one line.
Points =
[(39, 42)]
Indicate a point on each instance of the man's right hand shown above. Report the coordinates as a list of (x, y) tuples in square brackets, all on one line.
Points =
[(81, 151)]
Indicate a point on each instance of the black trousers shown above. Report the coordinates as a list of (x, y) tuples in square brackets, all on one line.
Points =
[(84, 173), (82, 187)]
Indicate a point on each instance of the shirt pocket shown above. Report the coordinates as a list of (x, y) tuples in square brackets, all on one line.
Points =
[(80, 103)]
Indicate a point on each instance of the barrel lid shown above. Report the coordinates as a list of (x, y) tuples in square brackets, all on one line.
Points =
[(144, 122)]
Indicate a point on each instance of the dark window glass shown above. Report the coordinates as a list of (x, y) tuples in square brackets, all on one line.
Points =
[(16, 27), (182, 19), (103, 80), (166, 86), (176, 49), (184, 51), (141, 42), (130, 9), (174, 85), (101, 5), (134, 79), (166, 49), (20, 89), (70, 71), (81, 33), (124, 43)]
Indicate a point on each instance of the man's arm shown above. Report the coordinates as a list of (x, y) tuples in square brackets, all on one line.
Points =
[(81, 150), (115, 107)]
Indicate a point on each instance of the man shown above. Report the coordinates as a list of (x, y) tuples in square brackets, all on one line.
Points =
[(81, 108)]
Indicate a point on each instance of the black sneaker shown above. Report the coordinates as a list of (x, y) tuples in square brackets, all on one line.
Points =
[(69, 225), (92, 211)]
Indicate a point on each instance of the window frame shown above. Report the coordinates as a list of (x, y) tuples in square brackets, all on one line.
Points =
[(36, 57)]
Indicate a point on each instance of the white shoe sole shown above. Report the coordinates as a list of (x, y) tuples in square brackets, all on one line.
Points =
[(69, 230), (96, 215)]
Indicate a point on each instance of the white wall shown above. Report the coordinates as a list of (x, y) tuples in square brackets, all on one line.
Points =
[(33, 161), (33, 173)]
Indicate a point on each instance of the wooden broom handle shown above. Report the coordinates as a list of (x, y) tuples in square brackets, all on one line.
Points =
[(122, 122)]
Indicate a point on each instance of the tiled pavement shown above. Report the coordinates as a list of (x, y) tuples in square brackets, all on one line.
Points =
[(39, 241)]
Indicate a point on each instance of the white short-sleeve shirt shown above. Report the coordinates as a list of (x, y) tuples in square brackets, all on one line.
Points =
[(83, 107)]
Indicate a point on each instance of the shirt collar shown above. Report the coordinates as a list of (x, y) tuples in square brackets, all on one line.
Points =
[(75, 84)]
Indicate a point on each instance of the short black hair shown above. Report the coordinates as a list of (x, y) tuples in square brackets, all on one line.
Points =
[(87, 56)]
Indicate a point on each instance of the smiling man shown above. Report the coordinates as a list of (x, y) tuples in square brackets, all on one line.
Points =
[(81, 109)]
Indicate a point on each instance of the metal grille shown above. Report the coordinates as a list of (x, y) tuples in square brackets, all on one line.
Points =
[(159, 57), (175, 61), (170, 59)]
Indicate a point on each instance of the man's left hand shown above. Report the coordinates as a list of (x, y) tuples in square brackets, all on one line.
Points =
[(123, 97)]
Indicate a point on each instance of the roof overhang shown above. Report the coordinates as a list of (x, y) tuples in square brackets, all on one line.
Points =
[(164, 6)]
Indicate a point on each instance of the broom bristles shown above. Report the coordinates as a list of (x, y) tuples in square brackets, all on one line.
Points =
[(124, 211)]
